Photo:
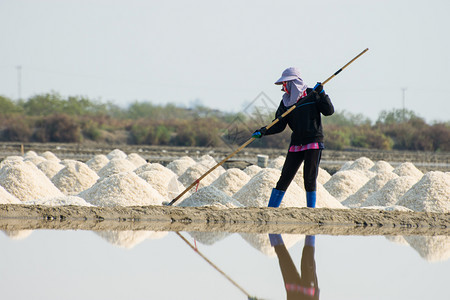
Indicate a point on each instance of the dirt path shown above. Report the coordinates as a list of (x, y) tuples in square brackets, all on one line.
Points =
[(251, 220)]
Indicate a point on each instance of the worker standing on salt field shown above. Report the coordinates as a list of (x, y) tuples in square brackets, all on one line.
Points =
[(307, 134)]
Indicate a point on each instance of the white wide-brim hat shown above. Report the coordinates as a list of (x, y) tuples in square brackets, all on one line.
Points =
[(288, 75)]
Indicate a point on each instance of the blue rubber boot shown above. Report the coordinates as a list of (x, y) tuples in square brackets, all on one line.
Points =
[(310, 240), (311, 199), (275, 198)]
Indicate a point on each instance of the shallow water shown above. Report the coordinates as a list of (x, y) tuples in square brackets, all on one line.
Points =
[(51, 264)]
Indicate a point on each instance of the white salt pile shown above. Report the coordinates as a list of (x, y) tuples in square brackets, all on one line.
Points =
[(116, 153), (381, 167), (252, 170), (196, 171), (130, 238), (50, 156), (256, 192), (50, 167), (7, 198), (123, 189), (30, 154), (431, 193), (26, 182), (373, 185), (10, 160), (75, 178), (431, 248), (345, 183), (209, 196), (179, 166), (231, 181), (160, 180), (388, 208), (390, 193), (277, 163), (261, 242), (35, 159), (97, 162), (151, 167), (116, 166), (346, 165), (136, 159), (59, 201), (361, 164), (408, 169)]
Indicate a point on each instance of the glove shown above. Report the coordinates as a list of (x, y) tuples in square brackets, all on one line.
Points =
[(259, 133), (319, 88)]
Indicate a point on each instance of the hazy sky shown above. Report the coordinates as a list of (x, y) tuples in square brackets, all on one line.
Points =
[(224, 53)]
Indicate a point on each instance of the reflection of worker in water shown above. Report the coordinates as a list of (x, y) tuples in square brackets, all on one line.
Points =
[(297, 287)]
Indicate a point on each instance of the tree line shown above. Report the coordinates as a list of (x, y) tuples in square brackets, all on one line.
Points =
[(51, 117)]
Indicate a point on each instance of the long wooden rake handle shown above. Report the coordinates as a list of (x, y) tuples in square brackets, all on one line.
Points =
[(252, 139)]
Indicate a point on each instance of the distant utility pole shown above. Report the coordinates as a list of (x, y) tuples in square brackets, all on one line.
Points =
[(403, 103), (19, 82)]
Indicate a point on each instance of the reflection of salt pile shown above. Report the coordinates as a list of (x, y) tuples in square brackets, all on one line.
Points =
[(252, 170), (408, 169), (432, 248), (74, 178), (116, 166), (7, 198), (208, 238), (25, 181), (390, 192), (129, 238), (50, 167), (372, 186), (58, 201), (231, 181), (431, 193), (261, 242), (18, 234), (161, 179), (179, 166), (97, 162), (256, 192), (123, 189), (209, 196)]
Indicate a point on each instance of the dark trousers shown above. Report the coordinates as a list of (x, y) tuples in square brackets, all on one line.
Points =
[(310, 169)]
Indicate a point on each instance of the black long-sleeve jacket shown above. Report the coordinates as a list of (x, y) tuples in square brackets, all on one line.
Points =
[(305, 120)]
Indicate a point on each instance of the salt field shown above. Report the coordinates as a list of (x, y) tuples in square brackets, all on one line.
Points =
[(121, 179), (77, 264)]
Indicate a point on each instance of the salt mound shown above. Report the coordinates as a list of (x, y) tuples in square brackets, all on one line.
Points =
[(59, 201), (277, 163), (7, 198), (75, 178), (361, 164), (151, 167), (116, 153), (161, 180), (431, 248), (408, 169), (388, 208), (30, 154), (196, 171), (252, 170), (231, 181), (346, 165), (372, 186), (25, 181), (50, 156), (391, 191), (208, 238), (179, 166), (430, 194), (256, 192), (209, 196), (345, 183), (35, 159), (50, 168), (10, 160), (129, 238), (381, 167), (123, 189), (116, 166), (136, 159), (261, 242), (97, 162)]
